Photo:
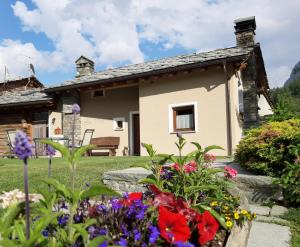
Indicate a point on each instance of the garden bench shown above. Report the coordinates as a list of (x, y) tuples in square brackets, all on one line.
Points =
[(106, 143)]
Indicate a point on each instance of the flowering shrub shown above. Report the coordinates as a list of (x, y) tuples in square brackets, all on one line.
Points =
[(265, 150)]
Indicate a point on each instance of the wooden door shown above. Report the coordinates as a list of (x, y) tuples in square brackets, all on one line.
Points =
[(136, 134), (39, 130)]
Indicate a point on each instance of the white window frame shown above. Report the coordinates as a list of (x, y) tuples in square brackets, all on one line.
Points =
[(115, 125), (171, 120)]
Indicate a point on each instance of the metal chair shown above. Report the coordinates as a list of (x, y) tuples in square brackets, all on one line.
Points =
[(11, 136), (86, 140)]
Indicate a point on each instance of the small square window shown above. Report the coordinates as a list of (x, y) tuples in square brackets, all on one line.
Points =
[(98, 93), (184, 118), (118, 123)]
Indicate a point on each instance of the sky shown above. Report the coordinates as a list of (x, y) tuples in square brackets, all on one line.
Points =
[(52, 34)]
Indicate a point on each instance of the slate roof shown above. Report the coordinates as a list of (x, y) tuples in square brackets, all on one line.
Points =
[(33, 96), (156, 67)]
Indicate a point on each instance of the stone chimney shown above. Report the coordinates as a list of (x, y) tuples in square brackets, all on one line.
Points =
[(245, 31), (84, 66)]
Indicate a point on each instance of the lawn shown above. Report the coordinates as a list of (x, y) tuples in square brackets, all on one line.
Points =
[(89, 170), (293, 215)]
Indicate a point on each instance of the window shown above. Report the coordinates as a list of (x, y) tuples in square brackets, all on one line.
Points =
[(98, 93), (182, 117), (118, 123)]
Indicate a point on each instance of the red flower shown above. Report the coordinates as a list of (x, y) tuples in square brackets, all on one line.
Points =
[(207, 227), (173, 226), (134, 196), (173, 204)]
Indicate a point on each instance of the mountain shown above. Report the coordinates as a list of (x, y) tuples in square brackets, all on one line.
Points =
[(294, 75)]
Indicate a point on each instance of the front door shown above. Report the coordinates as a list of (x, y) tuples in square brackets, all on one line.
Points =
[(136, 134)]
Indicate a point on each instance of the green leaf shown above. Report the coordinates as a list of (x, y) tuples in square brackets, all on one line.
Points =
[(97, 190), (11, 214), (7, 243), (149, 149), (59, 187), (97, 241), (147, 181), (212, 147), (61, 148), (198, 146), (195, 189), (79, 152)]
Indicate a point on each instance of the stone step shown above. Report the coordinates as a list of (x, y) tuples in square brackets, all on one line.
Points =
[(269, 235)]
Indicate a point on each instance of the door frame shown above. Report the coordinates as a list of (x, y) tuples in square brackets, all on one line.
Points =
[(131, 132)]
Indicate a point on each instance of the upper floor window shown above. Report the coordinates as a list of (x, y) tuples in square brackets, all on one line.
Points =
[(182, 117)]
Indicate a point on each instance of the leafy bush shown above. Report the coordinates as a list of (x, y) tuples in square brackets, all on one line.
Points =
[(265, 150), (290, 179)]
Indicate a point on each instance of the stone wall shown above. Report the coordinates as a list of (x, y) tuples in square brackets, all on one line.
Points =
[(251, 117), (68, 117)]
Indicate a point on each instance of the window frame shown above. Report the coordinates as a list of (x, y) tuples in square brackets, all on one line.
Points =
[(172, 117)]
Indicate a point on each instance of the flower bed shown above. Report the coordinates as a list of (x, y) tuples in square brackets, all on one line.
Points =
[(185, 204)]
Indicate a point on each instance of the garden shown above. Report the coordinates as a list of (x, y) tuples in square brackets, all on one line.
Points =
[(186, 202)]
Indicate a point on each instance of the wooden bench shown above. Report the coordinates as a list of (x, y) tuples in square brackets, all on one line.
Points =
[(106, 143)]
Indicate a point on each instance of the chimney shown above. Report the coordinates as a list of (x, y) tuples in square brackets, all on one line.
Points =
[(245, 31), (84, 66)]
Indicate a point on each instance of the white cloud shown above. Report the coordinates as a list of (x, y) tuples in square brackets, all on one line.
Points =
[(111, 31)]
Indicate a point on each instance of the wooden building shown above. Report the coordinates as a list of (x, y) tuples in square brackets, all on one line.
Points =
[(23, 106)]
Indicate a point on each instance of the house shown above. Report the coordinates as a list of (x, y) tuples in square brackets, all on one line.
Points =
[(23, 105), (210, 97)]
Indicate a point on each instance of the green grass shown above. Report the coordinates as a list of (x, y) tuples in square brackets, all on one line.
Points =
[(293, 215), (90, 169)]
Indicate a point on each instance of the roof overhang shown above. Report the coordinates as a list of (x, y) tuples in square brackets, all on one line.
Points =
[(145, 75)]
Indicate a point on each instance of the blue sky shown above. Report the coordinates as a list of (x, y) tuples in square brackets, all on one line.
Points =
[(115, 33)]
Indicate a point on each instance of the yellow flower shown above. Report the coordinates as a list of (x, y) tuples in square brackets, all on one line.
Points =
[(244, 211), (236, 216), (229, 224), (225, 208), (254, 215), (227, 218), (214, 203), (249, 216)]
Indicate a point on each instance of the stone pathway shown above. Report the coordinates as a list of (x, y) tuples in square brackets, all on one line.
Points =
[(268, 230)]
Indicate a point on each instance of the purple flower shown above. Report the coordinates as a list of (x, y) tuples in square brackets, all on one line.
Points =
[(45, 233), (50, 151), (116, 204), (102, 208), (104, 244), (181, 244), (154, 234), (62, 220), (23, 148), (96, 231), (75, 109), (137, 235), (123, 242)]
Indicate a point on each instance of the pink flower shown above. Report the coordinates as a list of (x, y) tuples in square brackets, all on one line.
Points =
[(209, 158), (190, 167), (230, 172), (175, 166)]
